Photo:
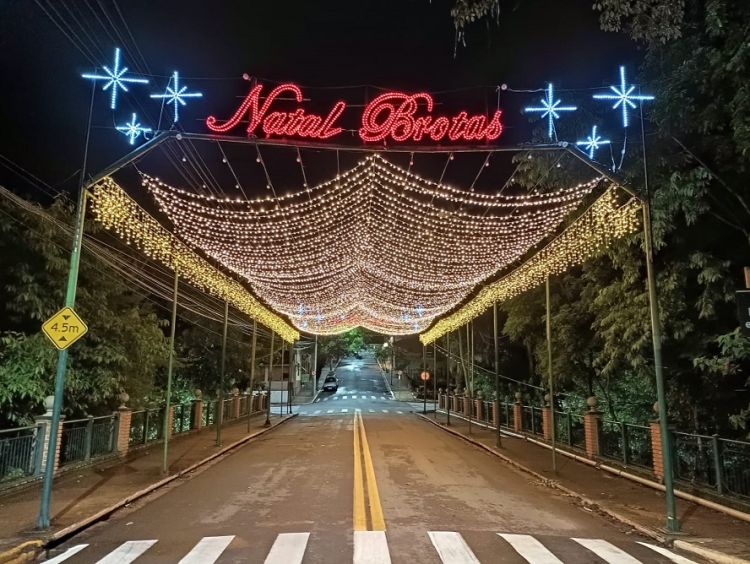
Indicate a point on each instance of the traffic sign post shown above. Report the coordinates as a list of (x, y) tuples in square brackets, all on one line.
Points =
[(64, 328), (424, 376)]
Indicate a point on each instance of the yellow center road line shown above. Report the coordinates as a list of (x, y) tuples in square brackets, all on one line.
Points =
[(360, 517), (376, 511)]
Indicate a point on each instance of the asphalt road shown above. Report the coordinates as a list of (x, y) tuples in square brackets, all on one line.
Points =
[(358, 483)]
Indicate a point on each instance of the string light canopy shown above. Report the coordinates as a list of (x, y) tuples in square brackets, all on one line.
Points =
[(117, 211), (377, 246), (605, 221)]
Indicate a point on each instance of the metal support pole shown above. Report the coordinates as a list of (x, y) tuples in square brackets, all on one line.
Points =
[(222, 371), (315, 367), (42, 521), (393, 359), (469, 368), (270, 379), (448, 381), (673, 524), (434, 376), (549, 372), (424, 382), (170, 368), (252, 370), (281, 404), (498, 440)]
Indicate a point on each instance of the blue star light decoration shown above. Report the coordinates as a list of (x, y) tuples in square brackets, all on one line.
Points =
[(115, 79), (550, 108), (175, 94), (624, 96), (592, 143), (133, 130)]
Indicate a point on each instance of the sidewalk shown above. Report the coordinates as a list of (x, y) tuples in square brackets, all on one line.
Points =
[(79, 494), (642, 506)]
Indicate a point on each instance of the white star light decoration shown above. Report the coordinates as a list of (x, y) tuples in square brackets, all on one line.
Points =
[(175, 94), (624, 96), (133, 130), (115, 78), (550, 108), (592, 142)]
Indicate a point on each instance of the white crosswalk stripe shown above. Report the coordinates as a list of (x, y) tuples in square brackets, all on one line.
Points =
[(531, 549), (72, 551), (346, 397), (288, 548), (607, 551), (373, 397), (452, 548), (344, 411), (668, 553), (371, 547), (317, 411), (384, 410), (207, 550), (127, 552), (329, 411)]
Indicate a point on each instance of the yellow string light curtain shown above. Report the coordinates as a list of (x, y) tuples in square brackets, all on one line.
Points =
[(377, 246), (116, 211), (605, 221)]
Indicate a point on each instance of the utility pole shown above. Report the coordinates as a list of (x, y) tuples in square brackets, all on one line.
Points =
[(270, 379), (424, 382), (434, 375), (170, 367), (222, 371), (498, 440), (448, 381), (315, 368), (549, 372), (252, 371)]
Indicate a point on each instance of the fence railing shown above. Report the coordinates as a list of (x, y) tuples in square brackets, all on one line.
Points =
[(146, 425), (710, 463), (21, 452), (83, 439)]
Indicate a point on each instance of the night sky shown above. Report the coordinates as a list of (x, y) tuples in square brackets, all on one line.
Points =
[(397, 44)]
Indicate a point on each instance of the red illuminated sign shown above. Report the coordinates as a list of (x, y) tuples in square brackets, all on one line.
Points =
[(391, 116)]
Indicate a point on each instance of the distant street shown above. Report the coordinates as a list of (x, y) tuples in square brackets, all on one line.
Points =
[(357, 477)]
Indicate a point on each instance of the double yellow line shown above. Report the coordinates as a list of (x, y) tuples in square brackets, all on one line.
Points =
[(365, 497)]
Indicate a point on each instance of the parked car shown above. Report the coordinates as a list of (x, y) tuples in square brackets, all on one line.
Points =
[(330, 384)]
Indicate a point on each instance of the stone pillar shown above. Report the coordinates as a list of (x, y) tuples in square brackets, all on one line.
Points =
[(45, 422), (235, 403), (547, 422), (124, 416), (657, 453), (197, 421), (518, 414)]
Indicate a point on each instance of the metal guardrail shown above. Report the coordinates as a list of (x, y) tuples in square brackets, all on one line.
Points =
[(21, 452), (627, 443), (83, 439)]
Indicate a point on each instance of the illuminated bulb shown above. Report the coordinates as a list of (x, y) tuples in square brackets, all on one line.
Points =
[(224, 160)]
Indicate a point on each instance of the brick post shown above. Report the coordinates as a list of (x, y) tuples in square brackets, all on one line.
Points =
[(478, 405), (591, 421), (170, 421), (517, 417), (197, 421), (441, 399), (658, 455), (236, 405), (495, 419), (467, 406), (124, 416)]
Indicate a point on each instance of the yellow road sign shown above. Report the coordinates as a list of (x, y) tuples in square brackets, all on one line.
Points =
[(64, 328)]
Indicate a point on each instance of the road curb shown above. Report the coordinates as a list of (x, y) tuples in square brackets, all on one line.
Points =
[(58, 536), (707, 553)]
